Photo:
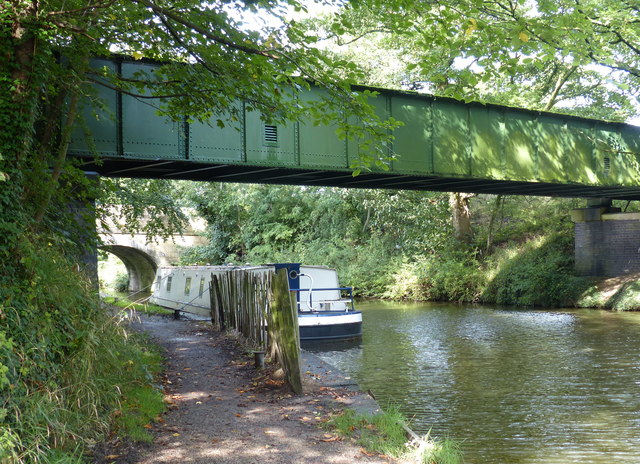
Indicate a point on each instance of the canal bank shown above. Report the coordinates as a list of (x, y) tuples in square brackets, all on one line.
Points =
[(323, 377), (222, 410)]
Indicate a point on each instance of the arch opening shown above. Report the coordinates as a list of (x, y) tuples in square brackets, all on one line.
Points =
[(141, 267)]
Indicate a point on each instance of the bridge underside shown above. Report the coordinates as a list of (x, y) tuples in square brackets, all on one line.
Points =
[(189, 170)]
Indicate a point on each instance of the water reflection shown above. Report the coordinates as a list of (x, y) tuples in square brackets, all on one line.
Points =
[(323, 346), (517, 386)]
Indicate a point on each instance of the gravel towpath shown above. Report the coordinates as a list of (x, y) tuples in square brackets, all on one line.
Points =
[(223, 410)]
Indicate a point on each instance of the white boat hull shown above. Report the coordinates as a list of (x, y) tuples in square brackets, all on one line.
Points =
[(185, 289), (329, 325)]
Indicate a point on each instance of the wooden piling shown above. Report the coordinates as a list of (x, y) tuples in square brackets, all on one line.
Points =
[(257, 304), (215, 295), (284, 328)]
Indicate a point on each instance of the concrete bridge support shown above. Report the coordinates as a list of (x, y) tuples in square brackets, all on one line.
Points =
[(607, 241)]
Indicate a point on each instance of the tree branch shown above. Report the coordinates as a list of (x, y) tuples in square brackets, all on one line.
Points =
[(562, 79), (60, 158), (82, 10), (633, 72), (358, 37), (73, 28), (635, 49), (135, 95), (138, 81), (178, 39), (175, 95), (185, 22)]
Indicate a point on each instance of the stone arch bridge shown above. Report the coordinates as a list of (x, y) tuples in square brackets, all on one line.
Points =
[(142, 257)]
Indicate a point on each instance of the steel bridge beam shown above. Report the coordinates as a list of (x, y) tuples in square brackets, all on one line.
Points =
[(444, 145)]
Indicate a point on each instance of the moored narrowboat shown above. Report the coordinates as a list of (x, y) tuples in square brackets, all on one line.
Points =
[(326, 311)]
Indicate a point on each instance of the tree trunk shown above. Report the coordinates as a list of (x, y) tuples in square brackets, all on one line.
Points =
[(22, 93), (498, 205), (461, 215)]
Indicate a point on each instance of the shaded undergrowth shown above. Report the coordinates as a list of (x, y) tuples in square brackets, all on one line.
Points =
[(70, 371), (618, 294), (533, 272), (538, 272)]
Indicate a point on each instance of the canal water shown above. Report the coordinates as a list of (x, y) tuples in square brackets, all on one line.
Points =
[(514, 386)]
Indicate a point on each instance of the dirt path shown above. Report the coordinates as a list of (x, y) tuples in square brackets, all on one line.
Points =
[(222, 410)]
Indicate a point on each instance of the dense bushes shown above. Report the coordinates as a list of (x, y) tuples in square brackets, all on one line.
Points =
[(533, 272), (536, 272), (398, 244), (121, 283), (362, 233), (455, 277), (65, 363), (522, 255)]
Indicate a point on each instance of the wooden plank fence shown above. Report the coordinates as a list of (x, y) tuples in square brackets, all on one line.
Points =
[(257, 304)]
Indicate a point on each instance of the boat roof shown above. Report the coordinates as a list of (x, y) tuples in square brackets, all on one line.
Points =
[(228, 267)]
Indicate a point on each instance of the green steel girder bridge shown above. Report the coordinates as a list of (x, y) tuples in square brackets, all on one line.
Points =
[(445, 145)]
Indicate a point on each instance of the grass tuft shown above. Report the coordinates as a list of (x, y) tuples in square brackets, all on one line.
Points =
[(142, 405), (146, 308), (385, 434)]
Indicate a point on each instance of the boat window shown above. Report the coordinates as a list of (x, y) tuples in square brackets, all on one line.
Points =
[(187, 286), (157, 283), (201, 285), (169, 283)]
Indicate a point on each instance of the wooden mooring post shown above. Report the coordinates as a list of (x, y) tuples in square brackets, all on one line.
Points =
[(283, 328), (215, 295), (247, 301)]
